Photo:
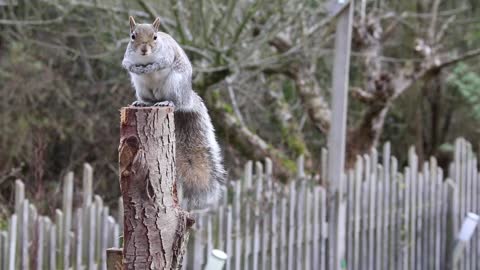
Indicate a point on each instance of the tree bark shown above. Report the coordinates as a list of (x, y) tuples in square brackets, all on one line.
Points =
[(155, 227)]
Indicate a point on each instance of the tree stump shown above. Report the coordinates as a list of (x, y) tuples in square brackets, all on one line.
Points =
[(155, 227)]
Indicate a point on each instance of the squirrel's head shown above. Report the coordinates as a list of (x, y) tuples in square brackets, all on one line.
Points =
[(143, 37)]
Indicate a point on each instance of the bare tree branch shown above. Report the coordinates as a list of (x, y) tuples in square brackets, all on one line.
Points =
[(308, 89)]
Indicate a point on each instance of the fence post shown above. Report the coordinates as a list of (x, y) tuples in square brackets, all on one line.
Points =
[(336, 138), (155, 227)]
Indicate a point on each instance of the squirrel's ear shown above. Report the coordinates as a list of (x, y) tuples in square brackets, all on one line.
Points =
[(156, 24), (132, 23)]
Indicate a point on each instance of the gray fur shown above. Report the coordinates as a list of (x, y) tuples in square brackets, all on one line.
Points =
[(165, 75)]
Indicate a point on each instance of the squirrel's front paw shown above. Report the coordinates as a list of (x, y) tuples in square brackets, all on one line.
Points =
[(139, 103), (166, 103), (137, 69)]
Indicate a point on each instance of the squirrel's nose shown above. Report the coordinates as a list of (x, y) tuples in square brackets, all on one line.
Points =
[(144, 50)]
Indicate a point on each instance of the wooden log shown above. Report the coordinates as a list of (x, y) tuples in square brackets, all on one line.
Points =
[(114, 259), (155, 227)]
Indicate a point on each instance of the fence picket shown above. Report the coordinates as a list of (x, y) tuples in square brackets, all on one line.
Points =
[(291, 226), (12, 241), (39, 247), (274, 233), (395, 220), (23, 224)]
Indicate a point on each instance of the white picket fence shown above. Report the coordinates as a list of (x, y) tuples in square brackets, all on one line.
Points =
[(402, 220), (76, 238), (395, 220)]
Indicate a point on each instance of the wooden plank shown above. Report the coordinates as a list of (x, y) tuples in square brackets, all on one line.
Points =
[(19, 195), (91, 236), (221, 227), (463, 182), (456, 179), (350, 216), (87, 195), (265, 239), (228, 238), (67, 222), (467, 196), (19, 199), (247, 174), (308, 229), (387, 202), (4, 249), (269, 175), (324, 167), (291, 226), (406, 223), (120, 217), (432, 216), (396, 207), (265, 217), (364, 258), (449, 192), (238, 224), (116, 236), (24, 236), (104, 238), (248, 212), (379, 218), (371, 225), (52, 256), (46, 253), (87, 185), (40, 239), (366, 214), (197, 245), (316, 229), (474, 209), (358, 209), (299, 225), (413, 163), (283, 234), (477, 241), (324, 229), (425, 195), (210, 235), (385, 240), (274, 233), (79, 239), (256, 220), (98, 202), (418, 225), (12, 241), (438, 217), (337, 135), (396, 221)]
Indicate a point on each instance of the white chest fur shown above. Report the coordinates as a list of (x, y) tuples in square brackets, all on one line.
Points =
[(150, 87)]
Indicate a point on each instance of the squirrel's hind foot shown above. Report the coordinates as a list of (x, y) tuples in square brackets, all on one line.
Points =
[(139, 103), (166, 103)]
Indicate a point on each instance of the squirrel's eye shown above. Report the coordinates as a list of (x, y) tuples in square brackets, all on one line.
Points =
[(155, 37), (133, 36)]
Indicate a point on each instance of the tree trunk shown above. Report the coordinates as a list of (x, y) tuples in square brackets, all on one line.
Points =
[(155, 227), (363, 138)]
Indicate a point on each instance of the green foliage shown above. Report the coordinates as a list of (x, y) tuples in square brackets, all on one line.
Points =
[(3, 224), (467, 83)]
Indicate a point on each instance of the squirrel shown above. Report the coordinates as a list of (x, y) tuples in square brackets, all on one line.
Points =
[(161, 74)]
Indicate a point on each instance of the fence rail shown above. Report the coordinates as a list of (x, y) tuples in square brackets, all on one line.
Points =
[(396, 219)]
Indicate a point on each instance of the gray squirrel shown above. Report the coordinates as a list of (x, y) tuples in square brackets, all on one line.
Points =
[(161, 74)]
